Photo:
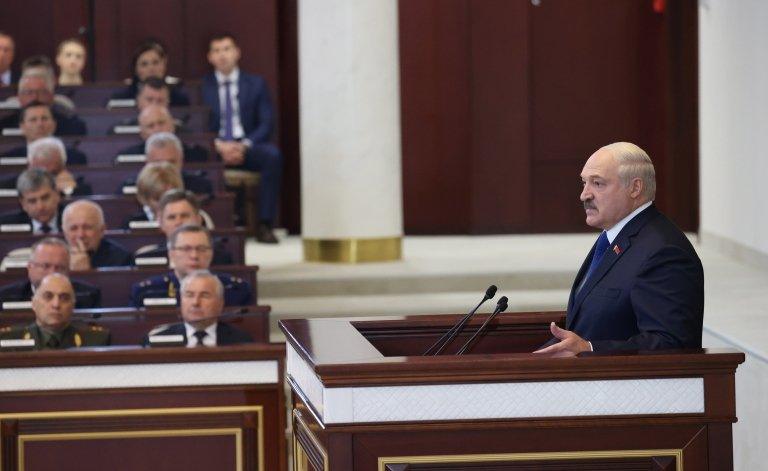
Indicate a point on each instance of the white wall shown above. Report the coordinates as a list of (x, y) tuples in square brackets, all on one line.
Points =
[(733, 88)]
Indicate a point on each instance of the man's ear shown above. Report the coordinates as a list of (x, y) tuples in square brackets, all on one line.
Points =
[(636, 187)]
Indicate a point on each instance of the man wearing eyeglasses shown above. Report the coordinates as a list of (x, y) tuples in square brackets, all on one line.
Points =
[(49, 255), (53, 329), (189, 248)]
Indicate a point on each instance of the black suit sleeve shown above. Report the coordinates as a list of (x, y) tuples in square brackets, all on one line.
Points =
[(666, 299)]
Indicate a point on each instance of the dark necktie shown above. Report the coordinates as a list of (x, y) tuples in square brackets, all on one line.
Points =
[(53, 342), (200, 335), (45, 228), (600, 248), (228, 132)]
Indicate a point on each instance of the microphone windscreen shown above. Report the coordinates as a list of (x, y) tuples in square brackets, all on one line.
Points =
[(502, 304), (490, 292)]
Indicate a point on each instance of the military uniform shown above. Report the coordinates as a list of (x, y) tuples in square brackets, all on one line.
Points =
[(86, 296), (237, 292), (74, 335)]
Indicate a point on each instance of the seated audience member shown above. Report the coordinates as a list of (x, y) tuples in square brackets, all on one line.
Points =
[(39, 199), (190, 248), (154, 119), (178, 208), (70, 57), (202, 303), (83, 225), (7, 50), (151, 60), (151, 184), (53, 303), (49, 154), (241, 115), (42, 64), (36, 85), (166, 147), (49, 255), (37, 121)]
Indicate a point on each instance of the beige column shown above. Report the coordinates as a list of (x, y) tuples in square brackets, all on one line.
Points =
[(349, 90)]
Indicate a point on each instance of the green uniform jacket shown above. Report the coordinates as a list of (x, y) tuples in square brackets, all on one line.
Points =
[(74, 335)]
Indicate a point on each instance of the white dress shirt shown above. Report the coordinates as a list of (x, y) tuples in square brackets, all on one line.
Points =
[(237, 125), (614, 231), (208, 341), (36, 225), (5, 77)]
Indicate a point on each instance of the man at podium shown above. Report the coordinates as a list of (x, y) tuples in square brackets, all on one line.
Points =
[(642, 285)]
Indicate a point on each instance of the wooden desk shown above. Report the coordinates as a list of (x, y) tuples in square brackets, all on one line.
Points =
[(216, 408), (116, 282), (101, 121), (128, 326), (102, 150), (365, 399), (118, 208), (231, 240)]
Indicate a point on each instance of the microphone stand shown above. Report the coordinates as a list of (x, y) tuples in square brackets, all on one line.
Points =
[(454, 331), (500, 307)]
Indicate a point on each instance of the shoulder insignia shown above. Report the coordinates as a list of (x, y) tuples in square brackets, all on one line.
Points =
[(27, 335), (5, 329), (78, 340), (96, 328)]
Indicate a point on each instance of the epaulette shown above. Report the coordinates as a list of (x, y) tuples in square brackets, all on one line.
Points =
[(95, 328), (145, 283), (5, 329)]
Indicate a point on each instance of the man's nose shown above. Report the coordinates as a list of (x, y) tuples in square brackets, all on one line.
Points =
[(586, 194)]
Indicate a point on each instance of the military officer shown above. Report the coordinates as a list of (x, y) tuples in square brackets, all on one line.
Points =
[(49, 255), (53, 303), (189, 248)]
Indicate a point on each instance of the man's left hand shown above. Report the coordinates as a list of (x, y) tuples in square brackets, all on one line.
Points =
[(569, 345)]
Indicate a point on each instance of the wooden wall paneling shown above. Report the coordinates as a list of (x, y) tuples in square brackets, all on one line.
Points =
[(500, 116), (435, 115), (556, 204), (288, 103), (37, 26)]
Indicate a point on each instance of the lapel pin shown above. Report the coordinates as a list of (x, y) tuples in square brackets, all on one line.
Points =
[(616, 249)]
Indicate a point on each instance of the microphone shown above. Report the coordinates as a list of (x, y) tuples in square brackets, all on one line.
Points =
[(451, 334), (501, 306)]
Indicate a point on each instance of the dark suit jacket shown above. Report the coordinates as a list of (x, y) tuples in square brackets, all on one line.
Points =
[(192, 153), (256, 114), (111, 254), (21, 217), (647, 293), (74, 156), (86, 296), (225, 334)]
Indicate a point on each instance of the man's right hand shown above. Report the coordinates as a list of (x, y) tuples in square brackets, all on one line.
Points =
[(78, 257)]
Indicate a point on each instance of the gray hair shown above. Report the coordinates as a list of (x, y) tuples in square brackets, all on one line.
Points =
[(33, 179), (76, 204), (49, 79), (163, 139), (633, 163), (203, 274), (54, 241), (45, 147)]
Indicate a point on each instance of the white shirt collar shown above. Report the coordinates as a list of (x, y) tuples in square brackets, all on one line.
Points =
[(614, 231), (36, 225), (209, 340), (5, 77), (233, 76)]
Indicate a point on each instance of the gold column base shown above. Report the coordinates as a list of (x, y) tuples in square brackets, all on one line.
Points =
[(385, 249)]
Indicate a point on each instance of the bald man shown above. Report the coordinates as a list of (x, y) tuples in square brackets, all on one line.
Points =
[(642, 285), (53, 329), (157, 118), (83, 226)]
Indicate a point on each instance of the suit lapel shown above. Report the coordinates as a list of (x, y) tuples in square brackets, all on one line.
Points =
[(615, 251)]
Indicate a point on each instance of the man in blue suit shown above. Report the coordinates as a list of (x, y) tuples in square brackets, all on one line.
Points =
[(242, 116), (642, 285)]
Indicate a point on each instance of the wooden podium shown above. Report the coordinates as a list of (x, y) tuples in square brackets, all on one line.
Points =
[(365, 399)]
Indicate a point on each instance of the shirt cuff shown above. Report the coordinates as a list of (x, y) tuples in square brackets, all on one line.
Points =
[(591, 349), (246, 142)]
